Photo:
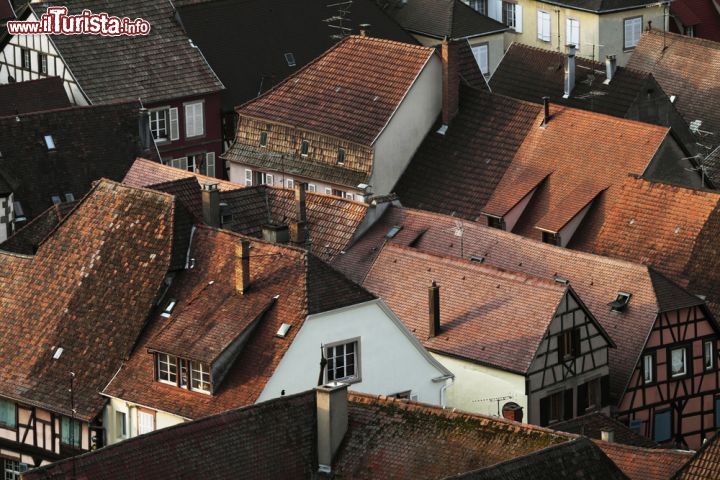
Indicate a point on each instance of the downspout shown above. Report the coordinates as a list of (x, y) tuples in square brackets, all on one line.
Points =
[(442, 391)]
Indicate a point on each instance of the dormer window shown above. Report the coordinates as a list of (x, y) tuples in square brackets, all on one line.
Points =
[(199, 377), (263, 139), (341, 156), (495, 222), (393, 231), (621, 302), (182, 373), (551, 237), (167, 368), (49, 142), (304, 148)]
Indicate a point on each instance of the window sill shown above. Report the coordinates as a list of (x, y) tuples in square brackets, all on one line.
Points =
[(348, 381)]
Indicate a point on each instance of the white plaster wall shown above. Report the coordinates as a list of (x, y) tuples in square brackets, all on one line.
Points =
[(162, 420), (390, 360), (407, 128), (475, 385)]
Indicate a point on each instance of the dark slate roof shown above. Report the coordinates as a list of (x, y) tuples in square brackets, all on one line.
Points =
[(470, 73), (451, 19), (231, 33), (592, 424), (6, 10), (670, 295), (27, 240), (90, 143), (529, 73), (159, 66), (32, 96), (600, 6), (579, 458), (476, 151), (712, 166)]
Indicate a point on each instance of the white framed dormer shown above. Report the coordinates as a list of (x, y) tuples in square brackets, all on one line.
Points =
[(164, 124)]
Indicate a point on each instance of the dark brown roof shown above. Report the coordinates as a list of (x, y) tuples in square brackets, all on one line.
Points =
[(451, 19), (90, 143), (144, 173), (592, 424), (209, 305), (596, 279), (705, 464), (476, 151), (6, 10), (350, 92), (132, 67), (645, 463), (32, 96), (470, 72), (87, 290), (675, 61)]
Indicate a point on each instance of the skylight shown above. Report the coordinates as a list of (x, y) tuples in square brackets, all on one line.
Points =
[(290, 59), (56, 199), (393, 231), (283, 330), (69, 197), (58, 352), (49, 142), (620, 302), (169, 308)]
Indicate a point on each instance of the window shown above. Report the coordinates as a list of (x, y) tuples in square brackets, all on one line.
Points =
[(167, 368), (70, 436), (708, 354), (508, 14), (169, 308), (632, 32), (199, 377), (348, 196), (194, 120), (25, 59), (248, 178), (495, 222), (480, 5), (120, 424), (69, 197), (49, 142), (290, 59), (341, 156), (183, 373), (311, 188), (556, 407), (304, 148), (182, 164), (12, 469), (543, 26), (393, 231), (663, 426), (480, 52), (146, 421), (43, 63), (159, 125), (342, 362), (262, 178), (690, 31), (551, 238), (573, 32), (7, 414), (209, 165), (678, 362), (338, 193), (648, 369), (56, 199), (636, 426), (328, 191), (263, 139), (290, 183), (621, 302), (568, 344)]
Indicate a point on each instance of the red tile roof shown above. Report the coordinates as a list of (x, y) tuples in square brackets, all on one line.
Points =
[(592, 424), (209, 305), (581, 150), (87, 290), (705, 464), (469, 323), (645, 463), (596, 279), (350, 92), (145, 173)]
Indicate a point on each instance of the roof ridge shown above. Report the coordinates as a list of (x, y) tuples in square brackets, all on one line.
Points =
[(647, 450), (667, 185), (683, 38), (70, 108)]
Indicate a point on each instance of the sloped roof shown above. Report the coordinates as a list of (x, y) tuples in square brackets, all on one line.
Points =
[(144, 173), (579, 457), (90, 143), (469, 323), (645, 463), (208, 303), (704, 465), (670, 295), (600, 6), (351, 91), (28, 238), (131, 67), (530, 73), (6, 10), (689, 69), (592, 424), (569, 147), (702, 15), (33, 96), (475, 152), (596, 279), (451, 19), (87, 290)]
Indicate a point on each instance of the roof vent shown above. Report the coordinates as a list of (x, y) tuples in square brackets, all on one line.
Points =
[(621, 302), (562, 281), (49, 142), (477, 258), (442, 130), (393, 232), (283, 330), (169, 308)]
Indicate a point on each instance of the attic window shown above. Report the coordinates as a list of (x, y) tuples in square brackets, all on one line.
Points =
[(477, 258), (263, 139), (226, 215), (393, 231), (18, 212), (56, 199), (69, 197), (182, 373), (283, 330), (620, 302), (50, 142), (341, 156), (304, 148), (290, 59), (169, 308)]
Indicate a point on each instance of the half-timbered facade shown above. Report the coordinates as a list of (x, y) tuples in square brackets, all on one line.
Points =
[(182, 96), (519, 346), (672, 396)]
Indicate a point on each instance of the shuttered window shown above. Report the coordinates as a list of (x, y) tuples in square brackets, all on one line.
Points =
[(174, 124), (70, 430), (543, 26), (194, 120), (632, 32), (7, 414)]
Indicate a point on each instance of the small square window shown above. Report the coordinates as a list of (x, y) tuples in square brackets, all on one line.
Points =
[(69, 197), (311, 188), (263, 139), (342, 362), (495, 222), (678, 362), (551, 238), (56, 199), (341, 156), (304, 148), (708, 354)]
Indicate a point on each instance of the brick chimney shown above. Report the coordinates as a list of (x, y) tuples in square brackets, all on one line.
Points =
[(298, 229), (332, 422), (569, 71), (242, 266), (211, 204), (434, 310), (546, 110), (450, 80)]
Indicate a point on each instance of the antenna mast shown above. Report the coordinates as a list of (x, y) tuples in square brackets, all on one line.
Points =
[(340, 22)]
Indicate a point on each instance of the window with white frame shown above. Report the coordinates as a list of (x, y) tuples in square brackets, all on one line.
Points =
[(648, 369), (209, 166), (328, 191), (146, 422), (194, 120), (480, 52), (248, 177), (43, 63), (25, 62), (120, 424), (199, 377), (708, 354), (632, 32), (182, 164), (159, 124), (678, 362), (509, 14), (348, 196), (479, 5), (12, 469), (572, 34), (167, 368), (543, 26), (8, 416), (304, 148), (343, 362), (290, 183), (311, 187)]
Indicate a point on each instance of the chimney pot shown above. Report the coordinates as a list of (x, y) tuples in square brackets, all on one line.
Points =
[(211, 204), (242, 266), (450, 80), (364, 29), (546, 110), (607, 435), (332, 421), (569, 71), (434, 309), (610, 67)]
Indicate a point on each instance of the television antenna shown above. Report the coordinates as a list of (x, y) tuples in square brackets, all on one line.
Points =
[(459, 231), (340, 22)]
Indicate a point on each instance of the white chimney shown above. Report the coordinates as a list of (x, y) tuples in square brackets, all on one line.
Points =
[(569, 71), (607, 435), (332, 421), (610, 67)]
